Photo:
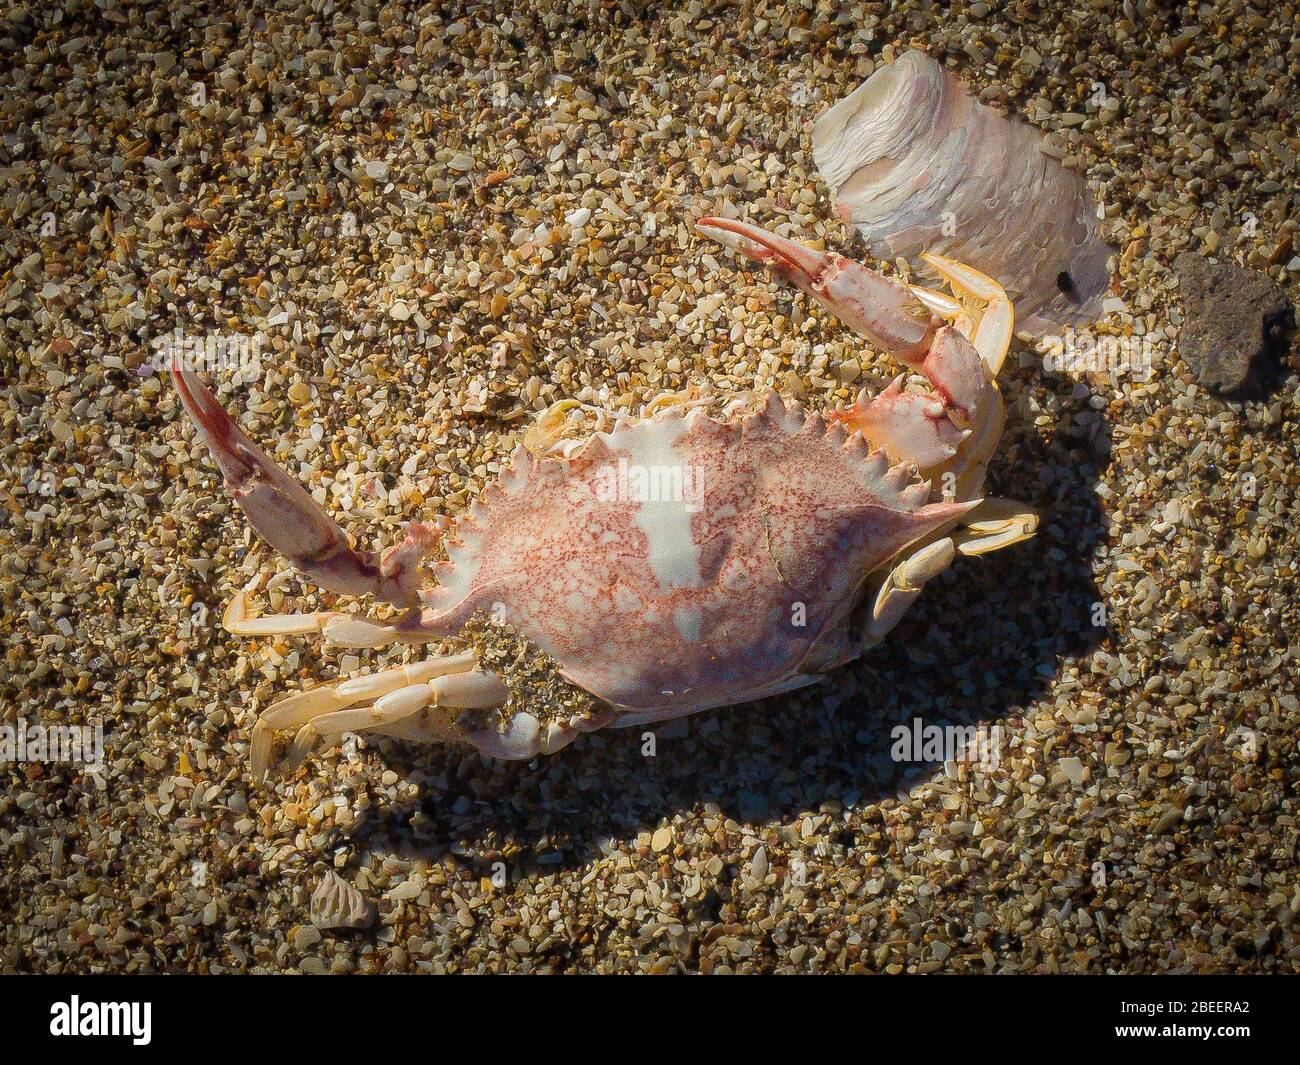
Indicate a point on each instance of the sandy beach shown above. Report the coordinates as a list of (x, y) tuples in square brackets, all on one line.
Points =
[(427, 223)]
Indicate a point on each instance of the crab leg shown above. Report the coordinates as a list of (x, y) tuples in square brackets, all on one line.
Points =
[(990, 336), (904, 584), (910, 426), (994, 524), (324, 711), (924, 429), (283, 513), (339, 629), (475, 689), (298, 709)]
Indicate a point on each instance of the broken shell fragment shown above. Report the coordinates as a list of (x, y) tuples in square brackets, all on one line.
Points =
[(337, 904), (917, 164)]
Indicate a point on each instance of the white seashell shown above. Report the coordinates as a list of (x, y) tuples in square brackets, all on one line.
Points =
[(918, 164), (337, 904)]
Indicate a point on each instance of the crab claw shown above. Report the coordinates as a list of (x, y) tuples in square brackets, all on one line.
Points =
[(287, 517), (954, 368), (885, 312), (910, 426)]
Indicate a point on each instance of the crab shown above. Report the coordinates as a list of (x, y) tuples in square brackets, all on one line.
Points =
[(672, 562)]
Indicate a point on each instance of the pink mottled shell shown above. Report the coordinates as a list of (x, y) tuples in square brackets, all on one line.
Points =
[(665, 606)]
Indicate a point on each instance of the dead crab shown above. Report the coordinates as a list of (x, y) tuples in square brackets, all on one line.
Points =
[(740, 584)]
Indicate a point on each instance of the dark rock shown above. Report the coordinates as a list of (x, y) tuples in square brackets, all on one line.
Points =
[(1230, 317)]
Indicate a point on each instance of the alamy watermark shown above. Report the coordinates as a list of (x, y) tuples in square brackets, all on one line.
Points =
[(228, 354), (20, 742), (1086, 352), (77, 1018), (632, 482), (979, 745)]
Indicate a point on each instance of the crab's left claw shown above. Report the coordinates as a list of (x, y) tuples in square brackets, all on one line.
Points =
[(887, 313), (287, 517)]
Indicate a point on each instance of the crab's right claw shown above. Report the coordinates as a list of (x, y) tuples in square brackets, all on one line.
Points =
[(288, 519), (884, 311)]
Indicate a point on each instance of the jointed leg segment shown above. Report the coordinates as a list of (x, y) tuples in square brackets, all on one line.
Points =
[(338, 628), (927, 428), (287, 517), (328, 711)]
